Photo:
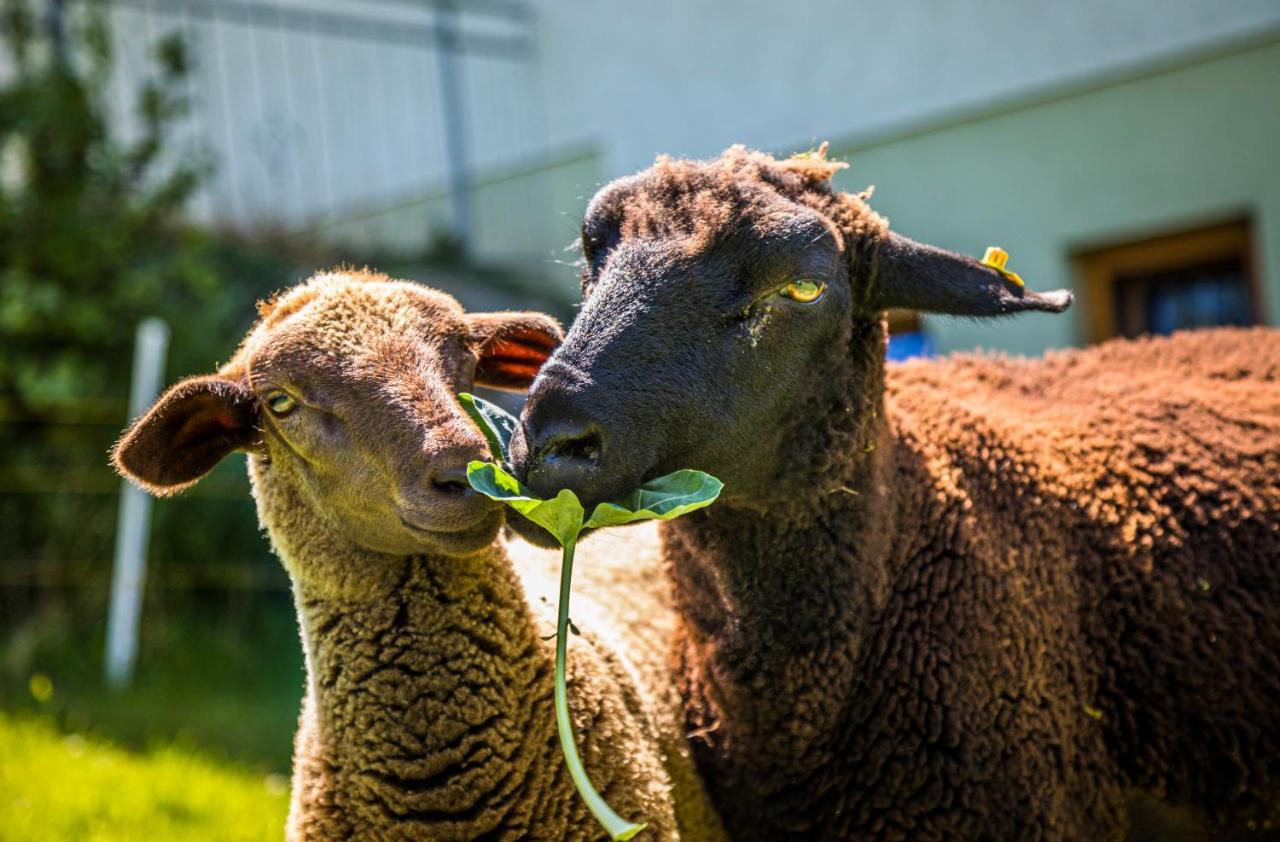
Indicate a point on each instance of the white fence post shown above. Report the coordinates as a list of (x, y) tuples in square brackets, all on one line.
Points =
[(455, 130), (133, 525)]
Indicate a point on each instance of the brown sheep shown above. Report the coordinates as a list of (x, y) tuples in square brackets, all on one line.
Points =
[(428, 708), (971, 599)]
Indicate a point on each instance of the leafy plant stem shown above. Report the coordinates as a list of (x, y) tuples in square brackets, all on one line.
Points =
[(664, 498), (616, 826)]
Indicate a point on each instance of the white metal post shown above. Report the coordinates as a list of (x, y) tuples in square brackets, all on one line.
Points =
[(133, 524), (449, 50)]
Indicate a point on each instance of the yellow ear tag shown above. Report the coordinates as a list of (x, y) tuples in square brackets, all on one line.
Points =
[(996, 258)]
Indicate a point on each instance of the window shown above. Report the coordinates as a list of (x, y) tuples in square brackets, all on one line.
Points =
[(1202, 277)]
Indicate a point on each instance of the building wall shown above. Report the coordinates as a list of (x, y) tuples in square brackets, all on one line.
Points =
[(690, 78), (1041, 127), (523, 218), (334, 108), (1184, 144)]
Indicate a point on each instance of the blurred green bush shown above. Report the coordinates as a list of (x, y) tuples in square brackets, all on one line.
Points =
[(92, 240)]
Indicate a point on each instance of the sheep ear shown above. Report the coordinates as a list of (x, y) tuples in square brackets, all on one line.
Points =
[(189, 430), (914, 276), (512, 347)]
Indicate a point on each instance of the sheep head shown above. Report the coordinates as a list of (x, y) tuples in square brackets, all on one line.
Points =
[(733, 322), (344, 395)]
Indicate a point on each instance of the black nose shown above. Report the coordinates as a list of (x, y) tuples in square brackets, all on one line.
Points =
[(561, 443), (565, 454)]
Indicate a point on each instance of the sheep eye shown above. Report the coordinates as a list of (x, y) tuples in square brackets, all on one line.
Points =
[(281, 403), (805, 291)]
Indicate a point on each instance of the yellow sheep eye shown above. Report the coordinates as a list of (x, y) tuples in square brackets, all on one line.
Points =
[(281, 403), (805, 291)]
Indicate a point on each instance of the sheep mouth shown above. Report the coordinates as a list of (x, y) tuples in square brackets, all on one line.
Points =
[(451, 534)]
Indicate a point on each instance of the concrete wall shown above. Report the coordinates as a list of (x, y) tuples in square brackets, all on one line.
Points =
[(690, 77), (1190, 143), (1100, 119)]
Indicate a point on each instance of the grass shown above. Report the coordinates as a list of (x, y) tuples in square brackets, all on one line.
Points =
[(226, 679), (57, 787), (198, 747)]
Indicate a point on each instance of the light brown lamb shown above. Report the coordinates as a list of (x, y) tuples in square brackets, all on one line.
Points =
[(428, 708)]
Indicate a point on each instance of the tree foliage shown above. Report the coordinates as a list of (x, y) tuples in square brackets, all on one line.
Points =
[(90, 231), (93, 239)]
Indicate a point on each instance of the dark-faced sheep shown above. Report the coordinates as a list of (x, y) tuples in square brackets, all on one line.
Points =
[(428, 708), (979, 598)]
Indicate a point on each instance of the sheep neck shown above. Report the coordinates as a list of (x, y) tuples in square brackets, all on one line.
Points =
[(433, 689), (777, 603), (760, 594)]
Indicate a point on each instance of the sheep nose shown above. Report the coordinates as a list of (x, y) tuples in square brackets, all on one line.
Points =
[(438, 479), (437, 497), (565, 455), (451, 479), (561, 448)]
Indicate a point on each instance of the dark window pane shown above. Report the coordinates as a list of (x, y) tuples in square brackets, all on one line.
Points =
[(1205, 295)]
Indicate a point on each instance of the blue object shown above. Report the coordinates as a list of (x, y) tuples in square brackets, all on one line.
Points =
[(1203, 302), (905, 346)]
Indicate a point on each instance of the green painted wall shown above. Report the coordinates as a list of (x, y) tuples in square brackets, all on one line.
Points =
[(1168, 149), (522, 217)]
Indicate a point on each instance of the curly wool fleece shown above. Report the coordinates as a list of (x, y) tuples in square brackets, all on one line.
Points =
[(1059, 585)]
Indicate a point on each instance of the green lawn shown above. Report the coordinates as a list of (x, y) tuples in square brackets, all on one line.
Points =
[(198, 747), (58, 787), (228, 683)]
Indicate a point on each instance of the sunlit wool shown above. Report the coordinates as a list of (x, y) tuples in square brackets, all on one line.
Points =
[(428, 706)]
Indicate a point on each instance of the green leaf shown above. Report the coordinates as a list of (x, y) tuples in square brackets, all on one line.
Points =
[(496, 423), (561, 515), (663, 498)]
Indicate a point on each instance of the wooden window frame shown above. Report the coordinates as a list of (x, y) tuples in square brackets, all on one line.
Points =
[(1098, 268), (904, 321)]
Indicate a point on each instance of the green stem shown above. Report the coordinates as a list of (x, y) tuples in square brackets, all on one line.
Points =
[(616, 826)]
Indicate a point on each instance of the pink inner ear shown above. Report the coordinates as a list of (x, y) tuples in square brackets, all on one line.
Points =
[(226, 420), (515, 349), (513, 361)]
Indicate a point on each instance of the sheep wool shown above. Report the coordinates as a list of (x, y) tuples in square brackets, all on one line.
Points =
[(1051, 588), (428, 711), (974, 598)]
